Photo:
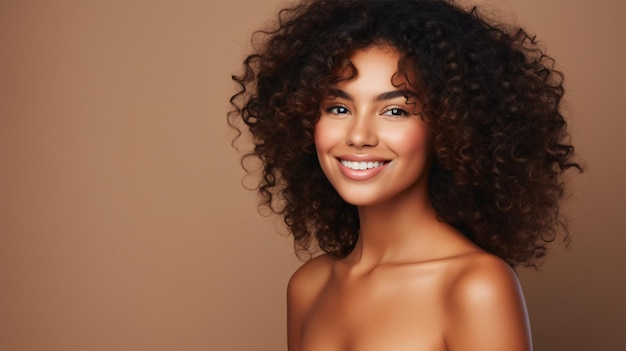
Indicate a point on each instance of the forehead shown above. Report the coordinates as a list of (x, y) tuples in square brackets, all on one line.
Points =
[(377, 66), (374, 59)]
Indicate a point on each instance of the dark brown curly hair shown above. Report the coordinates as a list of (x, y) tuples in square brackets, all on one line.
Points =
[(490, 94)]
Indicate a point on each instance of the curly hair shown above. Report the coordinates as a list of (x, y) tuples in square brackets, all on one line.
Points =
[(490, 94)]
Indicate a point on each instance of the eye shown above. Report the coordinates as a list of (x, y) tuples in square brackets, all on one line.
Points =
[(338, 110), (395, 111)]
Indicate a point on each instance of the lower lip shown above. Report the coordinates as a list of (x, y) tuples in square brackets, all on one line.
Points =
[(360, 175)]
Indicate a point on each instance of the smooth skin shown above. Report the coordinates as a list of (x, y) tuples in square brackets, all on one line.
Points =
[(412, 282)]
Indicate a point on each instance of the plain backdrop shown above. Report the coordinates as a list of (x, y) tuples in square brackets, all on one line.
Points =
[(123, 221)]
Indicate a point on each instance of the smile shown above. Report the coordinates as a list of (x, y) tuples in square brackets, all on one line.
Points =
[(362, 165)]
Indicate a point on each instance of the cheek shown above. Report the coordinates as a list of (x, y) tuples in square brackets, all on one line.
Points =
[(325, 135), (414, 140)]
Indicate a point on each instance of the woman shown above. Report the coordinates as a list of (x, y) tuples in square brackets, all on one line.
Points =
[(422, 149)]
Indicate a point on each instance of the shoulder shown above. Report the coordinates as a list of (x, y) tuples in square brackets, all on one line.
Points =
[(485, 305), (303, 290), (479, 275), (310, 277)]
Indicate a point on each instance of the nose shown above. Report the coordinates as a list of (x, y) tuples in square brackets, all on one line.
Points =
[(362, 131)]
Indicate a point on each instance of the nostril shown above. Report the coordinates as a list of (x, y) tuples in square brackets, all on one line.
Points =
[(362, 136)]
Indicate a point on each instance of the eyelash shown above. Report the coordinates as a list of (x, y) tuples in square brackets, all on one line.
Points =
[(403, 112), (334, 109)]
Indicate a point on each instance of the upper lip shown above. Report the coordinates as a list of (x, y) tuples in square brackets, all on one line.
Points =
[(362, 158)]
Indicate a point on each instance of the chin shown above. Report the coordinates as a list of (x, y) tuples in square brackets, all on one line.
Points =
[(363, 200)]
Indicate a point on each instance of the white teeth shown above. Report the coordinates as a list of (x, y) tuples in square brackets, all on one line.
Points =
[(361, 166)]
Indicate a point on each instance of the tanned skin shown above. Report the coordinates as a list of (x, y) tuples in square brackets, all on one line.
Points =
[(412, 282)]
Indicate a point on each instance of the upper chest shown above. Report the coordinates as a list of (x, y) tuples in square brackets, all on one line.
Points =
[(391, 309)]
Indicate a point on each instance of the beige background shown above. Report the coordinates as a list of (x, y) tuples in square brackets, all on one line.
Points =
[(123, 224)]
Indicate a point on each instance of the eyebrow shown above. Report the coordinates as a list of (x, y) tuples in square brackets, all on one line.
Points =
[(382, 97)]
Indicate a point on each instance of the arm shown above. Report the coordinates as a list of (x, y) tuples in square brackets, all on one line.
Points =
[(295, 312), (302, 291), (487, 310)]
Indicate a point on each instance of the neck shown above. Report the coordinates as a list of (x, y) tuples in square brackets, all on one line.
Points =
[(397, 230)]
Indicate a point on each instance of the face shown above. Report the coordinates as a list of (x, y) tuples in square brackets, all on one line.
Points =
[(371, 142)]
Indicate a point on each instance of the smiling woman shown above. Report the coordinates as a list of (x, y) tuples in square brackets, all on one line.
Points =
[(422, 149), (370, 146)]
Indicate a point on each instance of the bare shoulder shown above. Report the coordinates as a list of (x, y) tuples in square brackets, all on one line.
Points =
[(303, 290), (479, 275), (486, 306), (311, 276)]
